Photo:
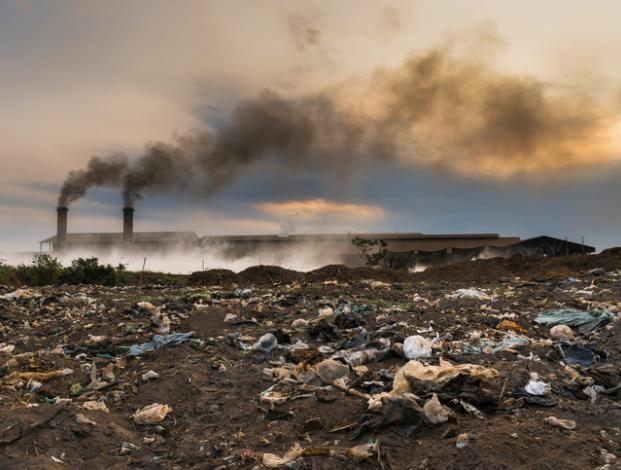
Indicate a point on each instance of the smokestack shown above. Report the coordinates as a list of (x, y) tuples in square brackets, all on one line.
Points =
[(61, 226), (128, 224)]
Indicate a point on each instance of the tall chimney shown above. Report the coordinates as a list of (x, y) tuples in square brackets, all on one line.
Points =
[(128, 224), (61, 226)]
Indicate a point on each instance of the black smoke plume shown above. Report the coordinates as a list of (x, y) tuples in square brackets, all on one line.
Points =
[(301, 132), (99, 172), (436, 109)]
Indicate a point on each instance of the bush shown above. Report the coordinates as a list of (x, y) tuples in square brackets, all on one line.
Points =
[(7, 273), (153, 277), (89, 271), (47, 270), (44, 270)]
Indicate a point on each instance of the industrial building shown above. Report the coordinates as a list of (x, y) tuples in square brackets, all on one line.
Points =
[(404, 250)]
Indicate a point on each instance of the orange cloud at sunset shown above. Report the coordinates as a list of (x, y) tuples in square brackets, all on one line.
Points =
[(321, 207)]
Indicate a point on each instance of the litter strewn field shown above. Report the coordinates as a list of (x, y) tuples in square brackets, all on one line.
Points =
[(270, 368)]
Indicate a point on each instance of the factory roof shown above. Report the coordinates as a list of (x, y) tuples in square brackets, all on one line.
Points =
[(373, 236), (117, 237)]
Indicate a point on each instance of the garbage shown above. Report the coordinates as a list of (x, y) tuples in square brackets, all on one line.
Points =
[(536, 386), (7, 348), (230, 317), (435, 412), (150, 375), (82, 419), (471, 293), (561, 423), (478, 345), (510, 326), (562, 332), (159, 342), (403, 416), (358, 356), (576, 354), (416, 377), (462, 440), (585, 321), (327, 379), (93, 405), (274, 461), (607, 457), (330, 370), (16, 379), (417, 347), (127, 447), (510, 342), (325, 312), (266, 343), (471, 409), (151, 414), (20, 294), (356, 453), (322, 330), (299, 323)]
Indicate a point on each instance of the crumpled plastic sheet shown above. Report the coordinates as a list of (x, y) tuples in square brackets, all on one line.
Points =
[(360, 356), (576, 354), (471, 293), (585, 321), (159, 342), (510, 341)]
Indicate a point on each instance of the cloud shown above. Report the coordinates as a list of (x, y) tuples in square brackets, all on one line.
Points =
[(317, 208), (304, 31)]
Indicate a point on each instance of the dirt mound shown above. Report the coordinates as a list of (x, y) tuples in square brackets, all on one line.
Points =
[(386, 275), (527, 268), (338, 272), (212, 277), (266, 275), (342, 273), (615, 251)]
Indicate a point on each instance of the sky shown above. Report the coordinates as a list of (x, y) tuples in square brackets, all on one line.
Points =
[(521, 135)]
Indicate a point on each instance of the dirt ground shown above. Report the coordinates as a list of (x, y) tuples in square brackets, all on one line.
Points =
[(237, 402)]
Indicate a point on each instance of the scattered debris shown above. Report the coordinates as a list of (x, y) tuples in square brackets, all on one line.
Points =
[(561, 423), (282, 373), (151, 414), (159, 342), (417, 347)]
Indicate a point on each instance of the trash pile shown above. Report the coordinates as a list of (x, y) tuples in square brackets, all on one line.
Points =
[(306, 373)]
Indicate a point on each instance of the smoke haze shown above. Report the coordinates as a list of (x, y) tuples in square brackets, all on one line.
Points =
[(436, 109)]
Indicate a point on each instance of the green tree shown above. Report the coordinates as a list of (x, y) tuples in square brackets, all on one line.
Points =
[(374, 251)]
